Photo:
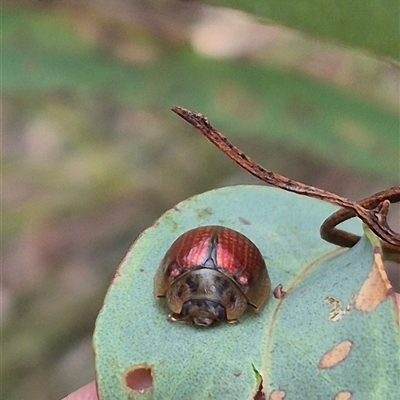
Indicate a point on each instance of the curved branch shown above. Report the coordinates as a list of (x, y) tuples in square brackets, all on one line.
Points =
[(330, 233)]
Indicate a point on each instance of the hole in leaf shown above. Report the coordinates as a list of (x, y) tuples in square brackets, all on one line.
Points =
[(260, 394), (139, 379)]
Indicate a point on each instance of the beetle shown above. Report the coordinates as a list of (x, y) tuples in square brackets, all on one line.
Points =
[(212, 274)]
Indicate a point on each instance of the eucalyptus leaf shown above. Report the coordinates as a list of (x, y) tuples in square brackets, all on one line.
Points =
[(284, 344)]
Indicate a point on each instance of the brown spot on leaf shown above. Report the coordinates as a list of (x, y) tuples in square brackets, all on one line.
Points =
[(343, 396), (205, 212), (244, 221), (375, 288), (337, 312), (277, 395), (336, 355), (139, 379)]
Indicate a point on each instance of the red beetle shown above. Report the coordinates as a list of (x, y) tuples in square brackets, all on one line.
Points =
[(211, 274)]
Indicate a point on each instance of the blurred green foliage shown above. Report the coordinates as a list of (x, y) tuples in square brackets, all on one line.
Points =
[(369, 24), (239, 98)]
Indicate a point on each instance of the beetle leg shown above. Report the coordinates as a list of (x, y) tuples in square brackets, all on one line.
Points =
[(178, 318)]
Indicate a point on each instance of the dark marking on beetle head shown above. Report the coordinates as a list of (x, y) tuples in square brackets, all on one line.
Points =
[(179, 291), (193, 285), (221, 286)]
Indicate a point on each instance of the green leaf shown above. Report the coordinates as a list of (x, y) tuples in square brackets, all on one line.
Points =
[(285, 343), (369, 24)]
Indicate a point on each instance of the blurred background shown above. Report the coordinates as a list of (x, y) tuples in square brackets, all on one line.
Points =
[(92, 154)]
